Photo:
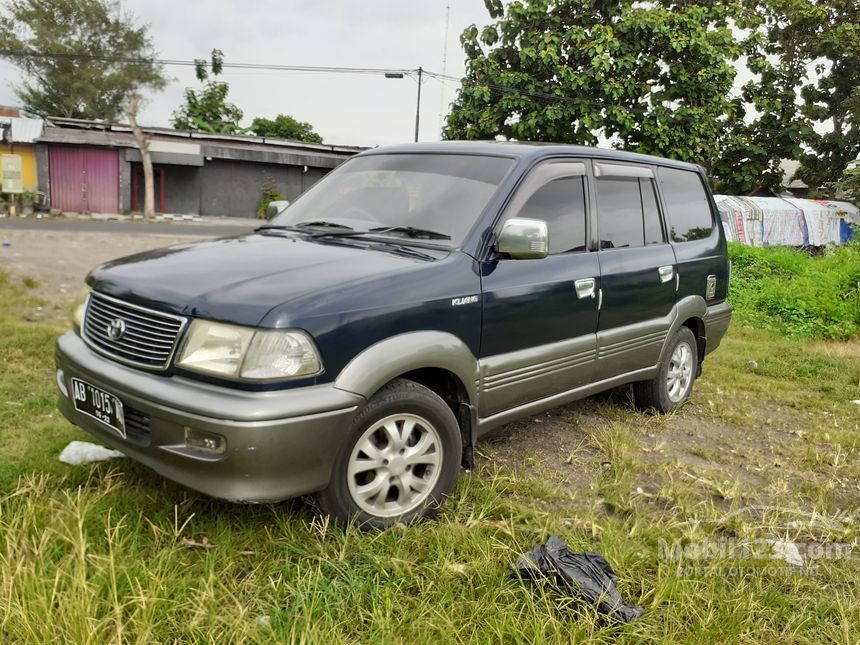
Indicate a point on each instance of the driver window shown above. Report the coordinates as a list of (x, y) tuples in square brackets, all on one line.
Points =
[(561, 204)]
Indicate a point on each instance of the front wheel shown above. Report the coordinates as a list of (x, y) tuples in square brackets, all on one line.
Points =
[(673, 384), (400, 461)]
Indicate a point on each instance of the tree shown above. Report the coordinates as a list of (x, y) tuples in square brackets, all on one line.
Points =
[(652, 78), (208, 109), (284, 126), (770, 126), (850, 184), (829, 34), (131, 109), (80, 58)]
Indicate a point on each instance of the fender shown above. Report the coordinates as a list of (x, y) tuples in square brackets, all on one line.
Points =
[(684, 309), (378, 364)]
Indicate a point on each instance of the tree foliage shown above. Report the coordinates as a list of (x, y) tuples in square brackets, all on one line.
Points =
[(653, 78), (207, 110), (828, 31), (850, 184), (770, 126), (659, 78), (284, 126), (78, 57)]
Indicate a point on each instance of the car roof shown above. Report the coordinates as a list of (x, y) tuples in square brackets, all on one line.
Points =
[(526, 150)]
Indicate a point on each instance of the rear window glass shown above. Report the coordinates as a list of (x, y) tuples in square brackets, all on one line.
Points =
[(688, 210)]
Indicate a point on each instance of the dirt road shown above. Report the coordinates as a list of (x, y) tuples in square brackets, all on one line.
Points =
[(58, 261)]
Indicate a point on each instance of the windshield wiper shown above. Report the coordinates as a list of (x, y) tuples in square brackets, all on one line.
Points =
[(411, 231), (323, 224)]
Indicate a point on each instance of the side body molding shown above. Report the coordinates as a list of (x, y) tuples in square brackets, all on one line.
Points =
[(387, 359)]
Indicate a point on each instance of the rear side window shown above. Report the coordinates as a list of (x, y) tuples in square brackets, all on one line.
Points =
[(688, 210), (628, 213), (561, 204)]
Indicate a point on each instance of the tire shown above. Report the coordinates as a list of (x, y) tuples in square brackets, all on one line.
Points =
[(400, 461), (671, 388)]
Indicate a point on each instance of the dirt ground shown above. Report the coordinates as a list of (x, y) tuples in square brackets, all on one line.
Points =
[(59, 261), (728, 450)]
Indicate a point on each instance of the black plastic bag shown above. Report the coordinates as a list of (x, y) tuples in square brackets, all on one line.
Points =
[(588, 573)]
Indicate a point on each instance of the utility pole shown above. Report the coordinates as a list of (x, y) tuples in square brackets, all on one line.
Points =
[(418, 103), (444, 68)]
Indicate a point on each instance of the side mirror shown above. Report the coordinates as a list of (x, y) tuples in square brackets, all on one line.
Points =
[(524, 239), (276, 208)]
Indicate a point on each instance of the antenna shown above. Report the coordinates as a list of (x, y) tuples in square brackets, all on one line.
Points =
[(442, 92)]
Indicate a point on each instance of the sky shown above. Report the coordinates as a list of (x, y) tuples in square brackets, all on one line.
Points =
[(344, 109)]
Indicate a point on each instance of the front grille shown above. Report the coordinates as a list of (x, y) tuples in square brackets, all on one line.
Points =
[(148, 338), (137, 428)]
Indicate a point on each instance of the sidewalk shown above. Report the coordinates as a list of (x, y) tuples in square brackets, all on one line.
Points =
[(204, 220)]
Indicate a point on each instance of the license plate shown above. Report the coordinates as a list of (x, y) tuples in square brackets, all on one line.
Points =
[(98, 404)]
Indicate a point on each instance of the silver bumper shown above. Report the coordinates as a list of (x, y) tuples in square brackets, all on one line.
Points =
[(278, 444)]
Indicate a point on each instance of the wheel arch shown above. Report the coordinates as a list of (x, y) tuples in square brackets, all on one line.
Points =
[(697, 326), (437, 360)]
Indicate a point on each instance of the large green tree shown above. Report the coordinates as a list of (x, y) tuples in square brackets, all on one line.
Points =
[(80, 58), (207, 110), (284, 126), (828, 31), (770, 126), (654, 78)]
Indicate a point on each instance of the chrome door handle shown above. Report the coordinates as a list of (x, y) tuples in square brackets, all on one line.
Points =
[(584, 288), (666, 273)]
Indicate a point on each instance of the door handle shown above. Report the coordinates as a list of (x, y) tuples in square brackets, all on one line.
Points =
[(666, 273), (584, 288)]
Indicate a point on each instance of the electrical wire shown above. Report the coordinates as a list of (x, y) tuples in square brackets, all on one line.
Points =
[(544, 97), (17, 54)]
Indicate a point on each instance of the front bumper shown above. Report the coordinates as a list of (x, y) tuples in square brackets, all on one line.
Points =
[(279, 444)]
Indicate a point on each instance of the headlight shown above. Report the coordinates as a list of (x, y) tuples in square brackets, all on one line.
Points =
[(79, 307), (233, 351)]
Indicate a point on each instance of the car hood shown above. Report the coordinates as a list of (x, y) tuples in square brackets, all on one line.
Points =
[(239, 279)]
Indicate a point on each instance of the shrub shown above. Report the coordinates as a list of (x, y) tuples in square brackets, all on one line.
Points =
[(270, 193), (796, 294)]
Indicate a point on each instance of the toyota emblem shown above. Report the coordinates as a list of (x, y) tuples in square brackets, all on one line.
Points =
[(116, 329)]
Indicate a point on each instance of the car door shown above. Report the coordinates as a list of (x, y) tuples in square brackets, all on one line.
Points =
[(540, 316), (637, 269), (694, 234)]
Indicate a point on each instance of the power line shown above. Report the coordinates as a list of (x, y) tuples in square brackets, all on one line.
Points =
[(545, 97), (17, 54)]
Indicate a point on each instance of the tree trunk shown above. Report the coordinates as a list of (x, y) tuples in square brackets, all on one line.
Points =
[(131, 110)]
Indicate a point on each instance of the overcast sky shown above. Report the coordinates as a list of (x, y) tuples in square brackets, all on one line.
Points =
[(344, 109)]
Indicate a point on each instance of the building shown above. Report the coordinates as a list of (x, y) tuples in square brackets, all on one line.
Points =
[(794, 186), (17, 137), (89, 166)]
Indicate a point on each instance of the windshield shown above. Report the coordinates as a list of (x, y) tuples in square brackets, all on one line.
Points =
[(429, 197)]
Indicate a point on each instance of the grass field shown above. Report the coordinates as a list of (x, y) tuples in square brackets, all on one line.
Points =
[(113, 553)]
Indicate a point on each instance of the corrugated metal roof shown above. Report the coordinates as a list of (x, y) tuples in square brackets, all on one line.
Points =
[(100, 126), (245, 148), (24, 129), (87, 137)]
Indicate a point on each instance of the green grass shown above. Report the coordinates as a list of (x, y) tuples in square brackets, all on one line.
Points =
[(98, 553), (790, 292)]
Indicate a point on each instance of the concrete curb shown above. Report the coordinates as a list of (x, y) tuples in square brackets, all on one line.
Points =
[(162, 218)]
